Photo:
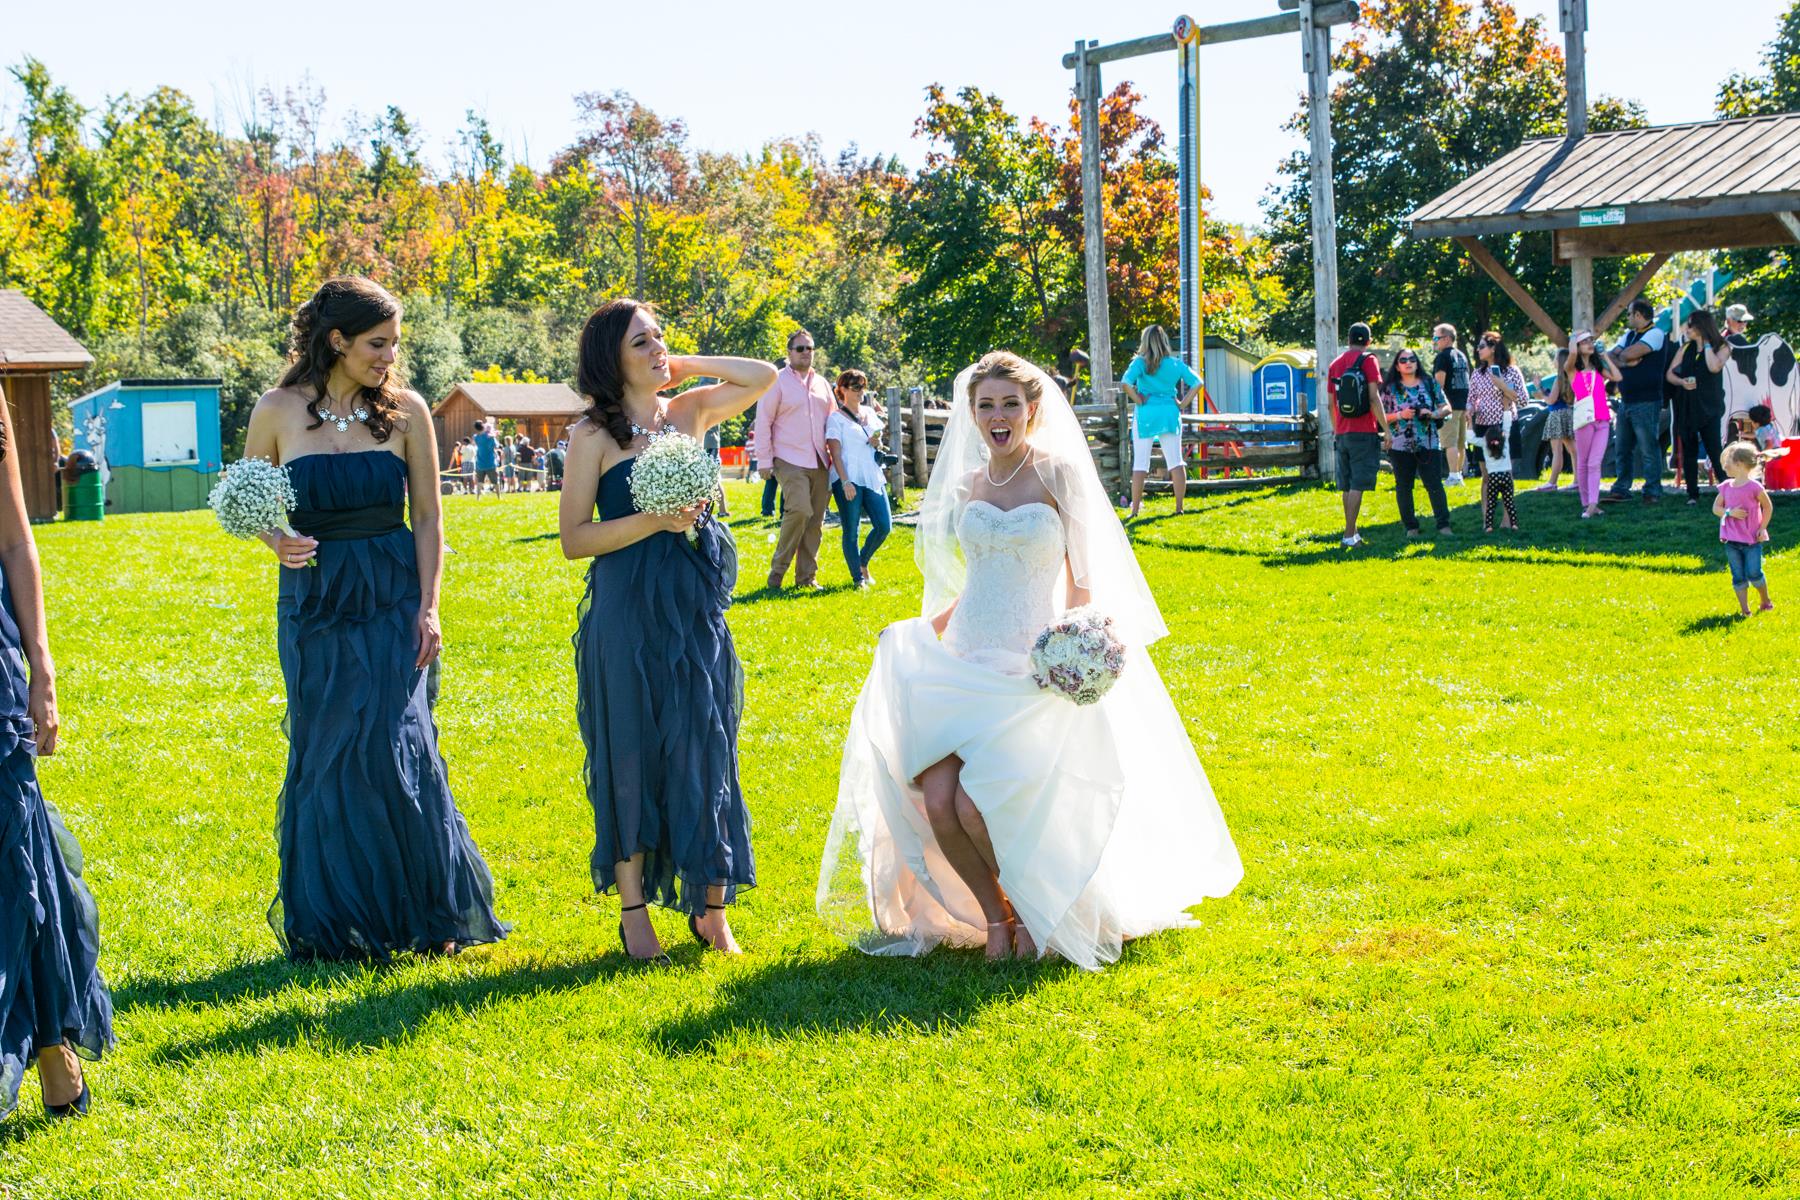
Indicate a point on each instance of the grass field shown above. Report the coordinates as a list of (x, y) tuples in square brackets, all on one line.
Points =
[(1518, 818)]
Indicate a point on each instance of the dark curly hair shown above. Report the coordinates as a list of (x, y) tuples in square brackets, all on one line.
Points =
[(600, 369), (352, 306)]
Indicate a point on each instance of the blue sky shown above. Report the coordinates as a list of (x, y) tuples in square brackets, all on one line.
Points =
[(742, 73)]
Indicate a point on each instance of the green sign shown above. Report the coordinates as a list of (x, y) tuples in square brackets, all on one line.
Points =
[(1591, 217)]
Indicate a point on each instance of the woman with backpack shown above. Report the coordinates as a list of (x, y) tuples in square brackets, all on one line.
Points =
[(1416, 410)]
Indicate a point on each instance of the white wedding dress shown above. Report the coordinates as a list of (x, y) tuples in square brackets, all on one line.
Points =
[(1102, 820)]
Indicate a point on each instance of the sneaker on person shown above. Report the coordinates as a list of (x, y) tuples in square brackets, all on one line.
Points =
[(1354, 539), (1454, 479)]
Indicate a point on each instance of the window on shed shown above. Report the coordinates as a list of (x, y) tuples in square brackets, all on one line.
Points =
[(171, 433)]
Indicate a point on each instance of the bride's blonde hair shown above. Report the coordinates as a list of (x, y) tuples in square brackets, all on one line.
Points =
[(1004, 364)]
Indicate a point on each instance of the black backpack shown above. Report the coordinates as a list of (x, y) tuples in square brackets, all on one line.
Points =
[(1353, 390)]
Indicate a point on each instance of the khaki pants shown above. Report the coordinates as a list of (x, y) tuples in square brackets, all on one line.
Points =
[(1454, 435), (805, 493)]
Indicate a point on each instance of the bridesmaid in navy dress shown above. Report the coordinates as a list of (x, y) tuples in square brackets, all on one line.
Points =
[(375, 857), (659, 685), (53, 1003)]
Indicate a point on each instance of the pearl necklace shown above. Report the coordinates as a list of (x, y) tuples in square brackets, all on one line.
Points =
[(988, 470)]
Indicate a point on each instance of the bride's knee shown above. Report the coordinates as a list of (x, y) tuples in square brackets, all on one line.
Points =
[(967, 815)]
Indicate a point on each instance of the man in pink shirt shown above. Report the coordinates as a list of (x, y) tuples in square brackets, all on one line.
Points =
[(790, 445)]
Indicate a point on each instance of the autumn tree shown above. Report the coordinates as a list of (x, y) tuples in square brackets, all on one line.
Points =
[(639, 160)]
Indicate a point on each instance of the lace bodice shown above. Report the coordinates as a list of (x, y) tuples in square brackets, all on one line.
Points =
[(1015, 566)]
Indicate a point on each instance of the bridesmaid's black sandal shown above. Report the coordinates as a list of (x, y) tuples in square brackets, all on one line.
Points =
[(78, 1107), (694, 926), (659, 959)]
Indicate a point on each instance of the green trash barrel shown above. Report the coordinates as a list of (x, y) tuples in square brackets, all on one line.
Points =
[(85, 498)]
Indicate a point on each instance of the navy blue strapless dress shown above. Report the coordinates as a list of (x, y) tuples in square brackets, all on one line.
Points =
[(659, 695), (375, 858), (50, 985)]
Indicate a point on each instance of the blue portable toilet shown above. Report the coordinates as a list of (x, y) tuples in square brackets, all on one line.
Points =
[(156, 440), (1284, 384)]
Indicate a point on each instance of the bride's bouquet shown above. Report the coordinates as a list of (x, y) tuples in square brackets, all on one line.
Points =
[(252, 497), (1078, 656), (673, 472)]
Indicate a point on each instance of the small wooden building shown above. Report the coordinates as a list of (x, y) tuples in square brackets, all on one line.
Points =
[(32, 348), (157, 441), (1229, 368), (540, 411)]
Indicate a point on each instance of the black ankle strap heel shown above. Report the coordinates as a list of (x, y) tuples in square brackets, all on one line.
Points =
[(659, 959), (694, 926)]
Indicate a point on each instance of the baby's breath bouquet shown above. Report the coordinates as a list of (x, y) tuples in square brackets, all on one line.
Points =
[(1078, 656), (252, 497), (674, 472)]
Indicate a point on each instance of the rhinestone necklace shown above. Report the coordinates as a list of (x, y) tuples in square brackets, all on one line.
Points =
[(663, 425), (359, 414)]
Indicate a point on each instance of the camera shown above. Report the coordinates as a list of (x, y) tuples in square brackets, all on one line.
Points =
[(886, 459)]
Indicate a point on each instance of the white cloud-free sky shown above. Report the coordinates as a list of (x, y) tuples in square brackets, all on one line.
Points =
[(741, 73)]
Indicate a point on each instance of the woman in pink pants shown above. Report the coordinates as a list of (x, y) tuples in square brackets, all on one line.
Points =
[(1585, 375)]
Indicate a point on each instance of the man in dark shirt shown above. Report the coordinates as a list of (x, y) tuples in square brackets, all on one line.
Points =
[(1359, 437), (1451, 367), (1640, 360)]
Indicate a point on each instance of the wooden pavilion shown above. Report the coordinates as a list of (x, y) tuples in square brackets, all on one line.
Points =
[(1711, 185), (540, 411), (32, 348)]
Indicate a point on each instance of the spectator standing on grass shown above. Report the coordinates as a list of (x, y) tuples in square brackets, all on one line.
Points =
[(1495, 385), (1559, 424), (1585, 375), (1640, 358), (1158, 384), (1497, 473), (1698, 374), (554, 461), (1451, 370), (456, 466), (1744, 509), (487, 458), (860, 489), (509, 464), (790, 445), (713, 445), (1358, 419), (1415, 409)]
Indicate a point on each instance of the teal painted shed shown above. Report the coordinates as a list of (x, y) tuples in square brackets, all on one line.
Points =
[(156, 440)]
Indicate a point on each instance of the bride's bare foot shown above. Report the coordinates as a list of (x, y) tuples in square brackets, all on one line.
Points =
[(999, 940), (59, 1075), (1023, 946), (716, 930)]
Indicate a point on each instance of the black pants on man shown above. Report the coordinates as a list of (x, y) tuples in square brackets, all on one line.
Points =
[(1427, 467)]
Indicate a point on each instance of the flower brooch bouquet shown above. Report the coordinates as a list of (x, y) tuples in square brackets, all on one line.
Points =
[(673, 472), (252, 497), (1078, 656)]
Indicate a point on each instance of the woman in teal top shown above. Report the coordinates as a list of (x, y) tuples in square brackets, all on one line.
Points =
[(1159, 384)]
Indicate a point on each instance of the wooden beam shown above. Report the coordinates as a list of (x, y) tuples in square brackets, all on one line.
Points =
[(1638, 283), (1624, 241), (1513, 288), (1337, 12), (1791, 223)]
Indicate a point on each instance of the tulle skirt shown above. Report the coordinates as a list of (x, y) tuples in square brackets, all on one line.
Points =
[(50, 985), (1103, 823)]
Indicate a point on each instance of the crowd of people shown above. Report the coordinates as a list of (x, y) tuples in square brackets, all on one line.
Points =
[(488, 461), (1434, 424)]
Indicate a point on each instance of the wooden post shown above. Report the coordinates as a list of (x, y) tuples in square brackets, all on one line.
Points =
[(1100, 370), (1193, 236), (897, 473), (921, 461), (1124, 467), (1315, 44), (1572, 16), (1581, 293)]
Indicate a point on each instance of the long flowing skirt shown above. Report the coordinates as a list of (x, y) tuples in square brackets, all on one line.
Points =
[(1101, 817), (50, 985), (375, 857)]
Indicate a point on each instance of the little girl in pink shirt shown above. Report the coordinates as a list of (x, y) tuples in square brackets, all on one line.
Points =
[(1744, 508)]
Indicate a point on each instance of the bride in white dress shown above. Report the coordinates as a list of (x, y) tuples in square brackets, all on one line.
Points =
[(973, 807)]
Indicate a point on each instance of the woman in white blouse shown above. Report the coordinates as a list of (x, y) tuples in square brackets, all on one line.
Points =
[(858, 486)]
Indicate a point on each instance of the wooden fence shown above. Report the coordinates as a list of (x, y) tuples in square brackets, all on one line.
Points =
[(1220, 448)]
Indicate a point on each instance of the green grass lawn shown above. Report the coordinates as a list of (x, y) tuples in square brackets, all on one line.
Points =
[(1518, 920)]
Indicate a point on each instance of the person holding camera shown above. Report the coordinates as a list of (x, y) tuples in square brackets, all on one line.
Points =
[(858, 485), (1416, 410)]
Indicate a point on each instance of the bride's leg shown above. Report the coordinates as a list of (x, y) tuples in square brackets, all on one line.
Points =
[(939, 783), (970, 818)]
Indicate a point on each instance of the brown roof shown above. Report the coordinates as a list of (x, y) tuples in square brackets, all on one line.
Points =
[(1667, 173), (30, 340), (521, 399)]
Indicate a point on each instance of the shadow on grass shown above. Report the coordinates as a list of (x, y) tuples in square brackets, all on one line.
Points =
[(1713, 624), (854, 992), (381, 1005), (537, 537), (764, 595)]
